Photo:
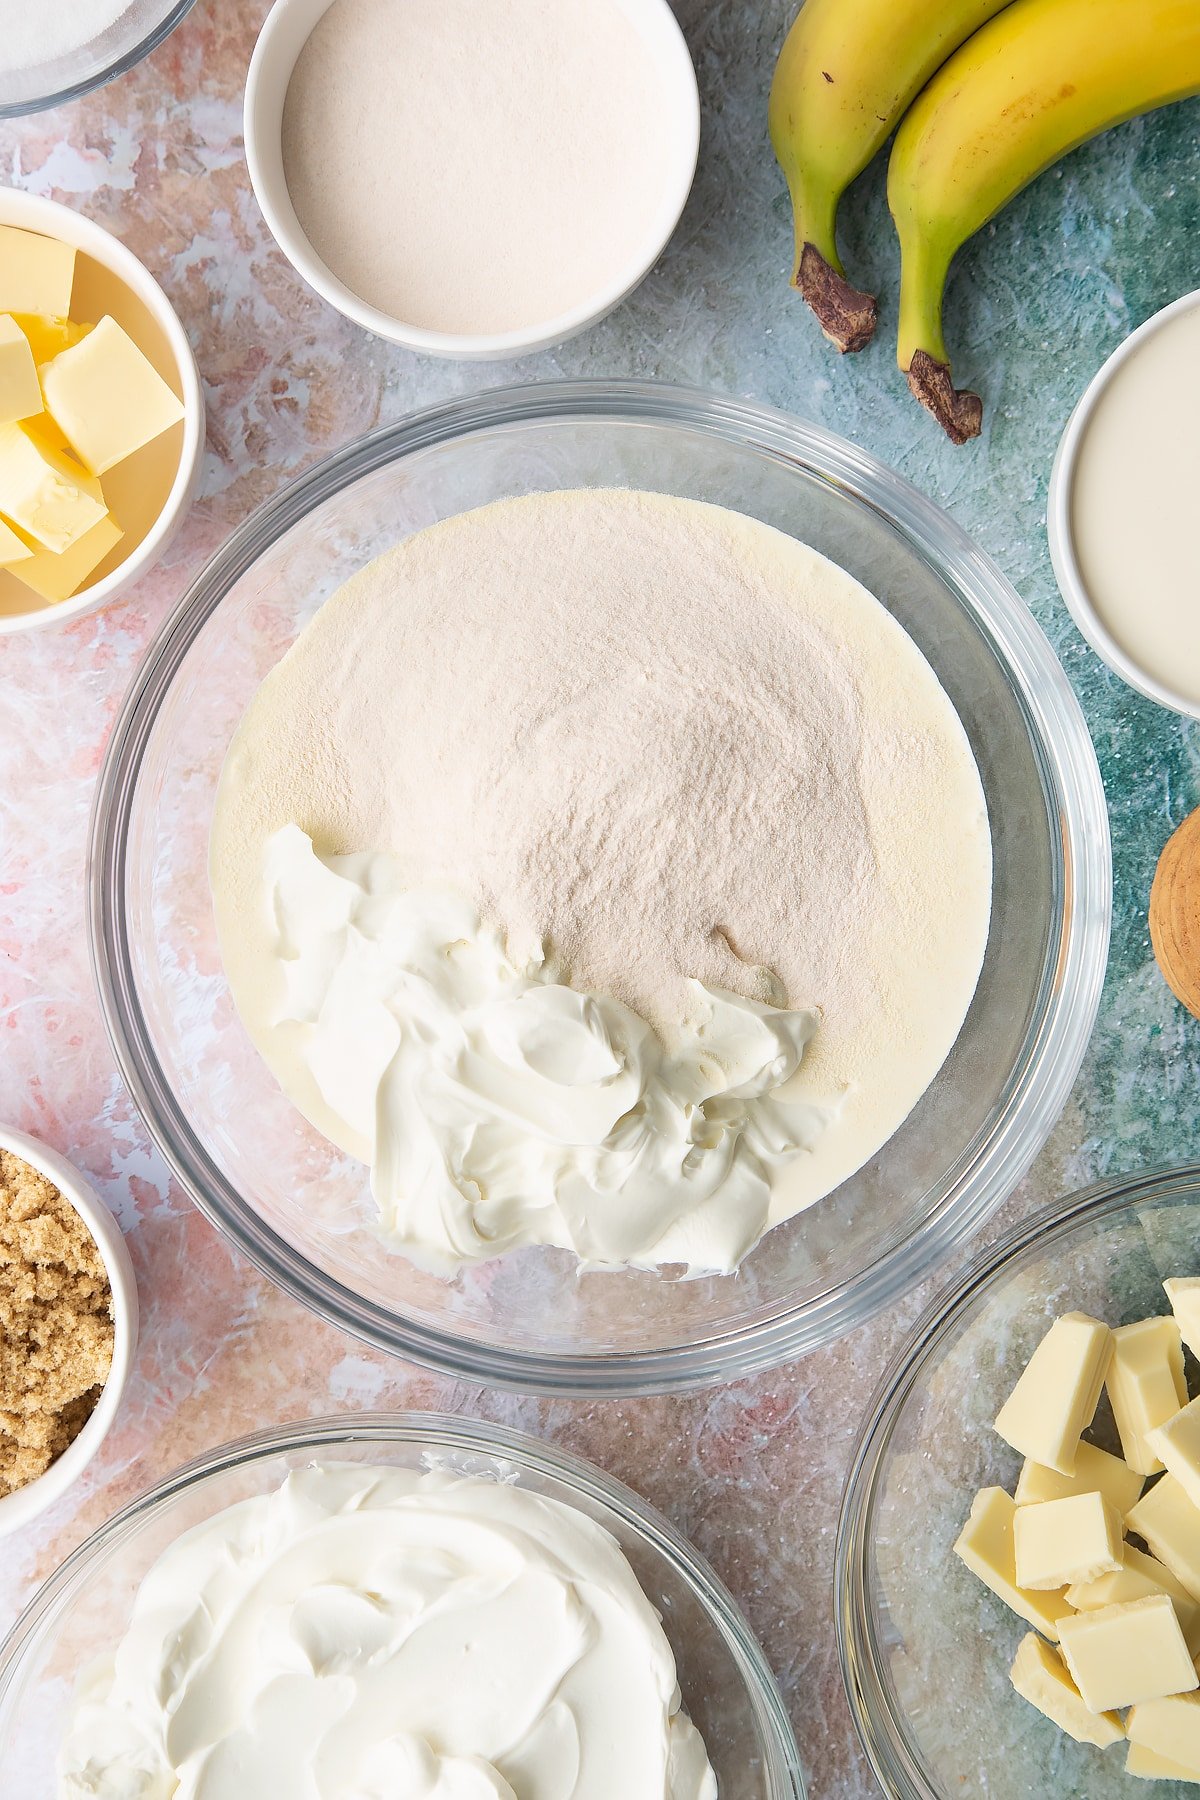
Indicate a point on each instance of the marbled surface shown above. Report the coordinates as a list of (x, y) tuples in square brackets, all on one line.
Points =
[(752, 1472)]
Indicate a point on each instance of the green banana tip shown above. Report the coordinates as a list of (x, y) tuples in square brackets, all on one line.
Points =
[(845, 314)]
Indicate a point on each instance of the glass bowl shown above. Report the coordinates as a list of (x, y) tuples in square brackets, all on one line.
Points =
[(925, 1648), (139, 30), (726, 1685), (302, 1211)]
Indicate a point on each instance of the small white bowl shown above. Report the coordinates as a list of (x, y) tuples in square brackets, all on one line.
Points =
[(1060, 530), (287, 29), (120, 284), (27, 1503)]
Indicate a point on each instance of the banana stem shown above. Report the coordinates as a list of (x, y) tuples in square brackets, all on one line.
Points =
[(921, 347), (845, 314)]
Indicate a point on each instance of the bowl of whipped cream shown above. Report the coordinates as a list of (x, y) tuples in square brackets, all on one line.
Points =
[(597, 887), (382, 1605)]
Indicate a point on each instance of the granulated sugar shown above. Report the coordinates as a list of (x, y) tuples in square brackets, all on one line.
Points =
[(662, 738), (476, 165), (40, 31)]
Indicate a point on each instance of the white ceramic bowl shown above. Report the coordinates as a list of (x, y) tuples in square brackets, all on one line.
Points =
[(288, 27), (152, 490), (1060, 530), (38, 1496)]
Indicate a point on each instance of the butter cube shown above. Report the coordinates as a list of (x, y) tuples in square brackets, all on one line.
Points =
[(1152, 1767), (46, 337), (1170, 1524), (1124, 1655), (20, 394), (1177, 1445), (36, 273), (1096, 1472), (107, 397), (1171, 1728), (1055, 1400), (1146, 1385), (43, 491), (986, 1546), (1140, 1577), (57, 577), (1184, 1294), (1039, 1676), (1063, 1541), (12, 548)]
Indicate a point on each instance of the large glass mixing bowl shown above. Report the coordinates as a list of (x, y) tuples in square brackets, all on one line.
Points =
[(925, 1647), (727, 1688), (301, 1210)]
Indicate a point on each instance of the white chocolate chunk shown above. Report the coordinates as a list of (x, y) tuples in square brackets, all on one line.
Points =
[(1039, 1676), (1184, 1294), (1146, 1385), (1150, 1766), (1171, 1728), (1177, 1445), (1055, 1400), (986, 1546), (1139, 1578), (1064, 1541), (1170, 1524), (1095, 1472), (1125, 1655)]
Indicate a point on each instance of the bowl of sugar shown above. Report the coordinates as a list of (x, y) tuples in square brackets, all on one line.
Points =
[(51, 53), (472, 182)]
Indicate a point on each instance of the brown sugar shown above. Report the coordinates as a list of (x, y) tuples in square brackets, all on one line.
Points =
[(56, 1323)]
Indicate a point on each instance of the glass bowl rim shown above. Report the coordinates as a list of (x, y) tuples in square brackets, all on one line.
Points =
[(121, 65), (1069, 991), (880, 1729), (470, 1436)]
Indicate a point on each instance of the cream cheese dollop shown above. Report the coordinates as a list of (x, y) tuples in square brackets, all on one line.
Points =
[(499, 1106), (388, 1634)]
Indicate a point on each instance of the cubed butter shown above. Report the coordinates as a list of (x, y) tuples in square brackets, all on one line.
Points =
[(1061, 1541), (58, 576), (43, 491), (1096, 1472), (13, 549), (986, 1546), (1039, 1676), (1170, 1524), (1139, 1577), (1124, 1655), (1150, 1766), (108, 398), (1146, 1385), (1184, 1294), (20, 393), (36, 273), (1055, 1400), (1170, 1727), (47, 337), (1177, 1446)]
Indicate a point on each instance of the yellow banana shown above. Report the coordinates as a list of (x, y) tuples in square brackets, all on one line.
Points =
[(847, 72), (1040, 78)]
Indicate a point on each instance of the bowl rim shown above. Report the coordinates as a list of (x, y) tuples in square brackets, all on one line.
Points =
[(1061, 532), (28, 1503), (269, 182), (1068, 996), (52, 219), (120, 65), (881, 1732), (454, 1432)]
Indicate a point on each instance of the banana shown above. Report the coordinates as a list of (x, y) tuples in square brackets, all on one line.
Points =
[(1042, 77), (847, 72)]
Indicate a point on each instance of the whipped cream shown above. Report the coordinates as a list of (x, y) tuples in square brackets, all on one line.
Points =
[(387, 1634), (497, 1105)]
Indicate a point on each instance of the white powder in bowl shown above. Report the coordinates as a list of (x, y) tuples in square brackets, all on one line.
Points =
[(477, 166), (41, 31), (663, 739)]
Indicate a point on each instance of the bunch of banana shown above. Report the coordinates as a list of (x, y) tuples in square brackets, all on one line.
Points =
[(1037, 78)]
